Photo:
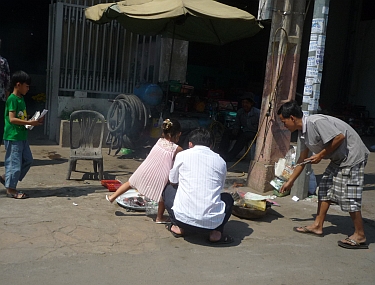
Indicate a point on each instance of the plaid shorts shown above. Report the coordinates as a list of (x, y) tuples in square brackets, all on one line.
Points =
[(343, 186)]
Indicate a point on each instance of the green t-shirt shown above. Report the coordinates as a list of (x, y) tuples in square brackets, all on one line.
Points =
[(14, 132)]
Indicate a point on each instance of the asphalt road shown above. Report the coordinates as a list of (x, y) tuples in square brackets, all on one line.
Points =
[(67, 233)]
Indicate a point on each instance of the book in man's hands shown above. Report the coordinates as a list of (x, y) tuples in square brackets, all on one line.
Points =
[(36, 116)]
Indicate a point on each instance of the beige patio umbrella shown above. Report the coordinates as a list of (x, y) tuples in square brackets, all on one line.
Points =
[(204, 21)]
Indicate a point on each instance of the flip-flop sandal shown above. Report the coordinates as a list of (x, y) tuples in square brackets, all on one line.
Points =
[(107, 198), (305, 230), (169, 228), (352, 244), (225, 239), (18, 195), (163, 222)]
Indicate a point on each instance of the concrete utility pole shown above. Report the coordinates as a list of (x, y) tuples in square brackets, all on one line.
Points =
[(313, 79), (279, 86)]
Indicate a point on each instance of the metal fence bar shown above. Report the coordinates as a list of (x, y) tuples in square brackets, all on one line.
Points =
[(95, 57), (135, 63), (66, 37), (142, 58), (102, 61), (116, 87), (88, 56), (56, 60), (129, 63), (109, 47), (148, 58), (89, 51), (80, 79), (157, 59), (122, 75), (74, 59), (50, 51)]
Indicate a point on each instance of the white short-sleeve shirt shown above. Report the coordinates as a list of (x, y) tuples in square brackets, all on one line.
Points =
[(200, 174)]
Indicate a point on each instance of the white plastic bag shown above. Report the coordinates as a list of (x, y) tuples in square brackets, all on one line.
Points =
[(285, 166), (279, 167), (160, 122)]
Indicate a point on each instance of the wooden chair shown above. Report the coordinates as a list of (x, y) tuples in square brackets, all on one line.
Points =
[(85, 144)]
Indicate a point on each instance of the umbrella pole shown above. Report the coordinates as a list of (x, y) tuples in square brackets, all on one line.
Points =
[(170, 66)]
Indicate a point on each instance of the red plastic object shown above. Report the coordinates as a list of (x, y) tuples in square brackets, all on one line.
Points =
[(111, 185)]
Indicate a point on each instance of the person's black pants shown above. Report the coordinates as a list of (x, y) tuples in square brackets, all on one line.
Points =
[(169, 194), (242, 139)]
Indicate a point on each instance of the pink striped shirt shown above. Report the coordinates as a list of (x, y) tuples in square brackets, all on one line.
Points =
[(152, 175)]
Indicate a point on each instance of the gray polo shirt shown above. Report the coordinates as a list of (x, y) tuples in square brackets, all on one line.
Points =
[(318, 130)]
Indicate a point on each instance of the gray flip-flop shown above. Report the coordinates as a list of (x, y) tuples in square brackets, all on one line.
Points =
[(353, 244), (306, 231)]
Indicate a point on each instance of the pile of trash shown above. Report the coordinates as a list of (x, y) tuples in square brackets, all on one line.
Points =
[(250, 205)]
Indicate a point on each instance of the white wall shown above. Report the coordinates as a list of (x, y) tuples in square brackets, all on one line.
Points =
[(70, 104)]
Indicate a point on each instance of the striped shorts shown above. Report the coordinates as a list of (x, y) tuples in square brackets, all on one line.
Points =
[(343, 186)]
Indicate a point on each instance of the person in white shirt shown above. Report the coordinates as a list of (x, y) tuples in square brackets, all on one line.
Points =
[(197, 204)]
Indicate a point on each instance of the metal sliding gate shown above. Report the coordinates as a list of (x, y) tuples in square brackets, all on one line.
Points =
[(100, 60)]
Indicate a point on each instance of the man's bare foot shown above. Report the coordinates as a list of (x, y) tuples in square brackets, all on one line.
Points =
[(109, 199), (357, 238), (175, 230), (162, 220), (309, 230), (215, 236), (12, 193)]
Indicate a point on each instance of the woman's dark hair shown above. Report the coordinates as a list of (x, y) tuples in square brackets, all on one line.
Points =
[(21, 77), (290, 108), (201, 136), (171, 128)]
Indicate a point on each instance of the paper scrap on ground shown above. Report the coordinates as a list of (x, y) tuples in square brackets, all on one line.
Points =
[(253, 196)]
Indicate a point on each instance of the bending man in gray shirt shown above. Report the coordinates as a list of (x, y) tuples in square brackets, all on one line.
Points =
[(342, 182)]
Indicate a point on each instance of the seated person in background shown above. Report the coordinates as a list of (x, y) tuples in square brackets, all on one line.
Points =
[(244, 129), (197, 205)]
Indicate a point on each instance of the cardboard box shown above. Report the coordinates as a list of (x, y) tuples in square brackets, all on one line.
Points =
[(256, 204)]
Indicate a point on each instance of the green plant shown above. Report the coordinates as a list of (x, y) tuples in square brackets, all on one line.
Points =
[(41, 97), (65, 114)]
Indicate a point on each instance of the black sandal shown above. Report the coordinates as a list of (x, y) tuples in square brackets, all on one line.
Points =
[(17, 195), (169, 228), (225, 239)]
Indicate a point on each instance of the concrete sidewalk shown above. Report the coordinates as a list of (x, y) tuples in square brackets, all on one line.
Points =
[(67, 233)]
